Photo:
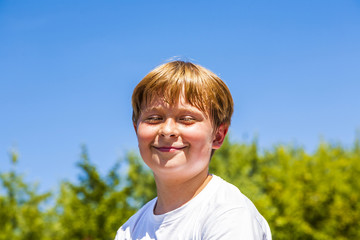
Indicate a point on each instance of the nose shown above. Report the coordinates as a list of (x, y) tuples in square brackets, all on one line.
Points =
[(169, 128)]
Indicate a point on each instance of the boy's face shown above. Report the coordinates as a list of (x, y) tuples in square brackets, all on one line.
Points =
[(176, 141)]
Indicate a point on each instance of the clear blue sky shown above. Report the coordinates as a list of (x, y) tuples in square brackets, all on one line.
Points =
[(68, 68)]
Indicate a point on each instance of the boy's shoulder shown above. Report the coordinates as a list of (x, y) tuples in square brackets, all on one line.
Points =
[(228, 195), (227, 198), (230, 209)]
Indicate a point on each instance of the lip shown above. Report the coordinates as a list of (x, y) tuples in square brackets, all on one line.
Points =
[(168, 148)]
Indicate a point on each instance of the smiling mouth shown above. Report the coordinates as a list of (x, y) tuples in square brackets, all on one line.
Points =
[(169, 149)]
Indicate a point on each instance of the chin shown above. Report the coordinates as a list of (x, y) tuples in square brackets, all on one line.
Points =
[(180, 172)]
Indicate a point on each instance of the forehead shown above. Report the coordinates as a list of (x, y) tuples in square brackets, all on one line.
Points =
[(160, 103)]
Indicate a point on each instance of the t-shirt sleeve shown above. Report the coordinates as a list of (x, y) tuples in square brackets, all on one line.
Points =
[(235, 223), (117, 237), (120, 235), (123, 234)]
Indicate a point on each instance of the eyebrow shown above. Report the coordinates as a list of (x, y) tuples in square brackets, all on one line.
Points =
[(194, 110)]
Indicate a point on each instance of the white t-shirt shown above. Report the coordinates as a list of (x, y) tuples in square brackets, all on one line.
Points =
[(219, 211)]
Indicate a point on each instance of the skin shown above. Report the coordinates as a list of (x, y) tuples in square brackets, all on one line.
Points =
[(176, 143)]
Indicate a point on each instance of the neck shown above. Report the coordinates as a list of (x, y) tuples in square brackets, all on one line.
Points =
[(174, 194)]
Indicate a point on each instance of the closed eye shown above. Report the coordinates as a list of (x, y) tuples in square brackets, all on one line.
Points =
[(153, 119), (188, 120)]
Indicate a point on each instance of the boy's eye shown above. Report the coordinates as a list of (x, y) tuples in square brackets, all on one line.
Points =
[(153, 119), (188, 120)]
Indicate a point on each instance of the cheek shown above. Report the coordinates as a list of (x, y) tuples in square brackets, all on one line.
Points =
[(145, 137), (200, 138), (145, 133)]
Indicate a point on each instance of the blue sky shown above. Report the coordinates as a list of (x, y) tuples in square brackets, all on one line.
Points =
[(68, 68)]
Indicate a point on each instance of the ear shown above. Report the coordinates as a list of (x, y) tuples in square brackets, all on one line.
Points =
[(135, 127), (219, 136)]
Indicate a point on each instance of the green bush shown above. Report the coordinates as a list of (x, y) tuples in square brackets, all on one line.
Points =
[(302, 196)]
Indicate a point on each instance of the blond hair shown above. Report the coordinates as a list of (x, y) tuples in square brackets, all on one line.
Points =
[(200, 87)]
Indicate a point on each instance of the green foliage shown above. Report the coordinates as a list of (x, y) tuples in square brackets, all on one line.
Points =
[(303, 196), (96, 207), (140, 181), (20, 214), (91, 209)]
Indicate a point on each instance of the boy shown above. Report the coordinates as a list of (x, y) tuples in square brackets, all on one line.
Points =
[(181, 114)]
